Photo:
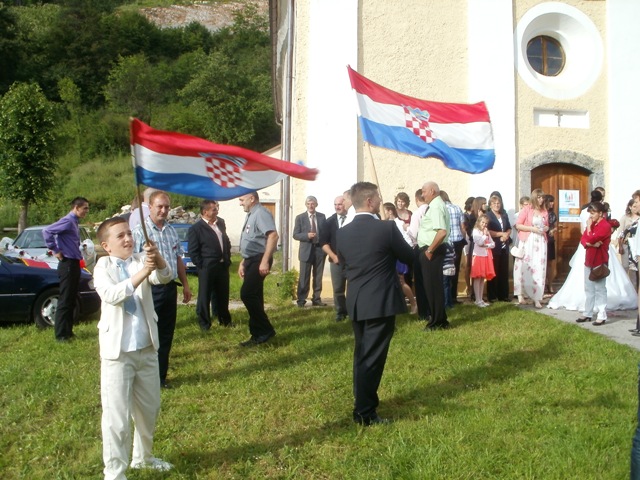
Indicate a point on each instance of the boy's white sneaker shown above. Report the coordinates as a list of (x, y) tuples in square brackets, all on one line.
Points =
[(154, 464)]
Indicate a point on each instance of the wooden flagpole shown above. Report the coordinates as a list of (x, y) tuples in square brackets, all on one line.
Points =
[(138, 192)]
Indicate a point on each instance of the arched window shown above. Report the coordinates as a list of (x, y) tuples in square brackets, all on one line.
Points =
[(545, 55)]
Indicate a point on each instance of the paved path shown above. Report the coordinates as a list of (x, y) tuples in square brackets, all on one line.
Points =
[(617, 327)]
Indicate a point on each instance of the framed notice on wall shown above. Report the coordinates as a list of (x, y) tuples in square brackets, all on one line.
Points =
[(569, 206)]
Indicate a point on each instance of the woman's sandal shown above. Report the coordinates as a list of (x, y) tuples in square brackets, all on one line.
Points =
[(583, 319), (598, 323)]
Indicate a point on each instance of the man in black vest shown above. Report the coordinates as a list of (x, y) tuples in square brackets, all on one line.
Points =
[(210, 251)]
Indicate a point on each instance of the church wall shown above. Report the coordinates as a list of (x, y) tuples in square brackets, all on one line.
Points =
[(592, 141)]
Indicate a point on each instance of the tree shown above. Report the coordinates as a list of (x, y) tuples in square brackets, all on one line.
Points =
[(8, 47), (133, 89), (27, 137)]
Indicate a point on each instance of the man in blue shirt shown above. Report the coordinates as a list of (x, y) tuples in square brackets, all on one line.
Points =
[(258, 242), (63, 239), (165, 296)]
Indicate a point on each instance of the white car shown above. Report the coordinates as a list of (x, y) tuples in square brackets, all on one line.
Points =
[(30, 244)]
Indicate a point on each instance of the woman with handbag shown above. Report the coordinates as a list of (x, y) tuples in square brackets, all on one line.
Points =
[(530, 271), (620, 291), (595, 239)]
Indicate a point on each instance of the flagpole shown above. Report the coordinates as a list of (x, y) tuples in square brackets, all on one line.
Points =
[(375, 173), (138, 192)]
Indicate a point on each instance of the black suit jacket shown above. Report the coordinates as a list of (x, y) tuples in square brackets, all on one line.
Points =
[(369, 249), (494, 226), (328, 234), (301, 228), (204, 246)]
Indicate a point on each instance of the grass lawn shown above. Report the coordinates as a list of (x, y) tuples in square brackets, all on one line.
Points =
[(505, 394)]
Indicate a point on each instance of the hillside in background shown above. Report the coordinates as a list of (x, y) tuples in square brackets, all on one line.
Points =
[(203, 69)]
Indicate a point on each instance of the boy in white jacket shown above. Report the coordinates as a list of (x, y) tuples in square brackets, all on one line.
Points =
[(128, 334)]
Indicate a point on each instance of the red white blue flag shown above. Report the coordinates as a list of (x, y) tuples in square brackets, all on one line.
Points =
[(180, 163), (457, 133)]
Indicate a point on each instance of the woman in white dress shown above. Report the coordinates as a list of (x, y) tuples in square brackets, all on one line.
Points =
[(620, 292), (530, 271)]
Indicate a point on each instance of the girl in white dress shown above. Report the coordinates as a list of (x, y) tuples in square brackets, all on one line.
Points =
[(530, 271), (620, 292)]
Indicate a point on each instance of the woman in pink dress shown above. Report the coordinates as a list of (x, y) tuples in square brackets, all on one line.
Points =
[(530, 271)]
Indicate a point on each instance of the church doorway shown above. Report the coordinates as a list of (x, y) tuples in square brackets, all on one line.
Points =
[(552, 178)]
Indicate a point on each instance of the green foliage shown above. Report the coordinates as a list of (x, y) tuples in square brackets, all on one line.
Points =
[(287, 283), (101, 64), (9, 47), (132, 87), (27, 138), (505, 394)]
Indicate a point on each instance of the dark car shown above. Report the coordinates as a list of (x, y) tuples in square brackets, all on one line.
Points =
[(30, 293), (183, 229)]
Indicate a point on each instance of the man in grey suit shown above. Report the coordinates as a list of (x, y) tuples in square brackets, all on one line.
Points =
[(306, 230), (369, 249)]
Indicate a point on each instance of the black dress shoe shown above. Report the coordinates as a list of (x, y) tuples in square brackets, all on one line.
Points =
[(583, 319), (319, 304), (264, 338), (248, 343), (444, 326), (368, 421)]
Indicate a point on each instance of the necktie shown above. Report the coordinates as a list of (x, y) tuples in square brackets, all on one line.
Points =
[(342, 217), (129, 302), (314, 229)]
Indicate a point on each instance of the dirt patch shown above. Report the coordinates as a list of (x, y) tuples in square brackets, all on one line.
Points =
[(213, 16)]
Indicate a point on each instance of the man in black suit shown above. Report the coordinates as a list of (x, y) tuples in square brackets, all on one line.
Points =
[(369, 249), (306, 230), (210, 251), (330, 247)]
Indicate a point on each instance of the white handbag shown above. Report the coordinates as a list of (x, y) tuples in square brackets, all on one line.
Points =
[(517, 251)]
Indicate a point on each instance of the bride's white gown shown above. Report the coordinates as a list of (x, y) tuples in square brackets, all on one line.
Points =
[(620, 292)]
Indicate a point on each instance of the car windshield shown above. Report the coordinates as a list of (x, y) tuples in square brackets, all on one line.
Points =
[(30, 239)]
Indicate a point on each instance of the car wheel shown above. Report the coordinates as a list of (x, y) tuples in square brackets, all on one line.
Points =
[(44, 308)]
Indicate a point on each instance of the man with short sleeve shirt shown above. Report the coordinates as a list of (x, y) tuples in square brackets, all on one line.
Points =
[(165, 296), (258, 242), (307, 229), (63, 239), (432, 235)]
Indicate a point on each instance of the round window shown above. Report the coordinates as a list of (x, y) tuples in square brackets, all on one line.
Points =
[(545, 55)]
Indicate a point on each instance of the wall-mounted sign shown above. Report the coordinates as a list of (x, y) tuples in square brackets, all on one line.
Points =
[(569, 206)]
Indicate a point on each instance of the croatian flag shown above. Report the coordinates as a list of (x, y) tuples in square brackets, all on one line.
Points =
[(457, 133), (189, 165)]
